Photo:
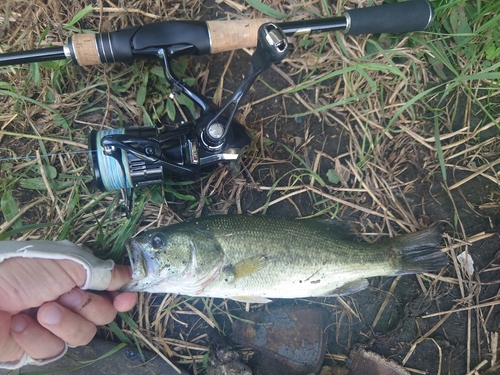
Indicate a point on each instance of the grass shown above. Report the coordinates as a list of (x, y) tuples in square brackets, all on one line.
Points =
[(376, 130)]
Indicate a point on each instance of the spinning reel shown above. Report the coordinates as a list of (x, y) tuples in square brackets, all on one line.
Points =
[(140, 156)]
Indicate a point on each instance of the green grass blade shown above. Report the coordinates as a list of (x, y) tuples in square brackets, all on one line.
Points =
[(10, 208), (266, 9), (439, 148), (77, 17)]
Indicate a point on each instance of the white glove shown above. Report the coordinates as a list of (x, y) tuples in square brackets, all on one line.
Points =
[(98, 274)]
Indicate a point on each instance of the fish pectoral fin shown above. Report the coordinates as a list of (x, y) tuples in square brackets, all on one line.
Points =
[(250, 299), (348, 288), (246, 267)]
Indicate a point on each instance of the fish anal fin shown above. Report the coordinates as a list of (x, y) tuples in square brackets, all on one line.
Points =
[(250, 299), (348, 288)]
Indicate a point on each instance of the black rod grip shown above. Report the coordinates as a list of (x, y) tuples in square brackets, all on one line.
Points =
[(404, 17)]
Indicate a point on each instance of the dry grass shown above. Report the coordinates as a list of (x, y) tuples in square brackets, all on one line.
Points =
[(390, 155)]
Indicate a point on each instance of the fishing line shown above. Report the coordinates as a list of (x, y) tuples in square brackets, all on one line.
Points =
[(47, 155), (111, 172)]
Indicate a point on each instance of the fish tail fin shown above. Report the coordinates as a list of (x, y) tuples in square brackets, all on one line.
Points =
[(418, 252)]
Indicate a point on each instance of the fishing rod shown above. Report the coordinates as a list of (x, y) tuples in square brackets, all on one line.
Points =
[(200, 37), (140, 156)]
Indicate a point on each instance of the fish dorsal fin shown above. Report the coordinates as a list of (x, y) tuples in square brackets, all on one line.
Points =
[(250, 299), (348, 288), (244, 268), (342, 230)]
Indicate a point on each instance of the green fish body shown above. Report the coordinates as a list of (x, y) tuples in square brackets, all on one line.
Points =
[(256, 258)]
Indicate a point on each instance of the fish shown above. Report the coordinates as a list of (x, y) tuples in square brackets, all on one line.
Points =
[(259, 258)]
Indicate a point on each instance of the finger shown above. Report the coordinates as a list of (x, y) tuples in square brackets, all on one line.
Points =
[(125, 301), (120, 275), (10, 350), (34, 339), (26, 283), (64, 323), (95, 308)]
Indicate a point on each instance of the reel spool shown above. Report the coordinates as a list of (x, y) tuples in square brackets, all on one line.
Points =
[(141, 156)]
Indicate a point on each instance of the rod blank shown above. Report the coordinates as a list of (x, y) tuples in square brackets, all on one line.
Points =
[(37, 55)]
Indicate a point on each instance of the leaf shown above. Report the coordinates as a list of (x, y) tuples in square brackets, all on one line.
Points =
[(32, 183), (190, 81), (180, 65), (50, 172), (183, 197), (42, 37), (35, 72), (459, 23), (185, 101), (141, 94), (119, 333), (38, 184), (158, 71), (170, 109), (305, 42), (146, 118), (61, 121), (439, 147), (77, 17), (6, 166), (156, 195), (10, 208), (266, 9), (333, 176)]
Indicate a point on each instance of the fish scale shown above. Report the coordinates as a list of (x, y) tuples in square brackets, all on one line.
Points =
[(257, 258)]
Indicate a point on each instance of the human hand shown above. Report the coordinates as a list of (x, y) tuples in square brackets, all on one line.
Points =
[(42, 306)]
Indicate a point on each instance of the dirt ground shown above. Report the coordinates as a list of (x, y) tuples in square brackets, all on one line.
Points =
[(379, 182)]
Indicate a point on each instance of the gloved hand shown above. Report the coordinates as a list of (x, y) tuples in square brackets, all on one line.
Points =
[(43, 303)]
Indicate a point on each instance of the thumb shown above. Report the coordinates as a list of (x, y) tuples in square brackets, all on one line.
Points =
[(120, 275)]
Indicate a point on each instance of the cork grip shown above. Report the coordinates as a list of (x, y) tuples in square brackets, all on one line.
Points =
[(85, 49), (231, 35)]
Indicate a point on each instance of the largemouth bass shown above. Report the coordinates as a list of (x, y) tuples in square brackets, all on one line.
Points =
[(256, 258)]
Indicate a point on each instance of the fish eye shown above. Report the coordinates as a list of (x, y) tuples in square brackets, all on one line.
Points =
[(158, 241)]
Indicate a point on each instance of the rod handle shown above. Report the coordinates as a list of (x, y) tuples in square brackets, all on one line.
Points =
[(233, 35), (84, 49), (413, 15)]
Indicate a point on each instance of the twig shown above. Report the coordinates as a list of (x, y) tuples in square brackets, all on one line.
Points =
[(481, 305), (347, 307), (479, 366), (390, 293), (425, 336), (494, 348), (475, 174), (126, 10), (8, 224), (155, 349)]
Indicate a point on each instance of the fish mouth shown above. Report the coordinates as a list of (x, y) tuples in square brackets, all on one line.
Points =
[(142, 262)]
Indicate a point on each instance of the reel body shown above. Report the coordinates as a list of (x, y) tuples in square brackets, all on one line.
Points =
[(138, 156), (144, 155)]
